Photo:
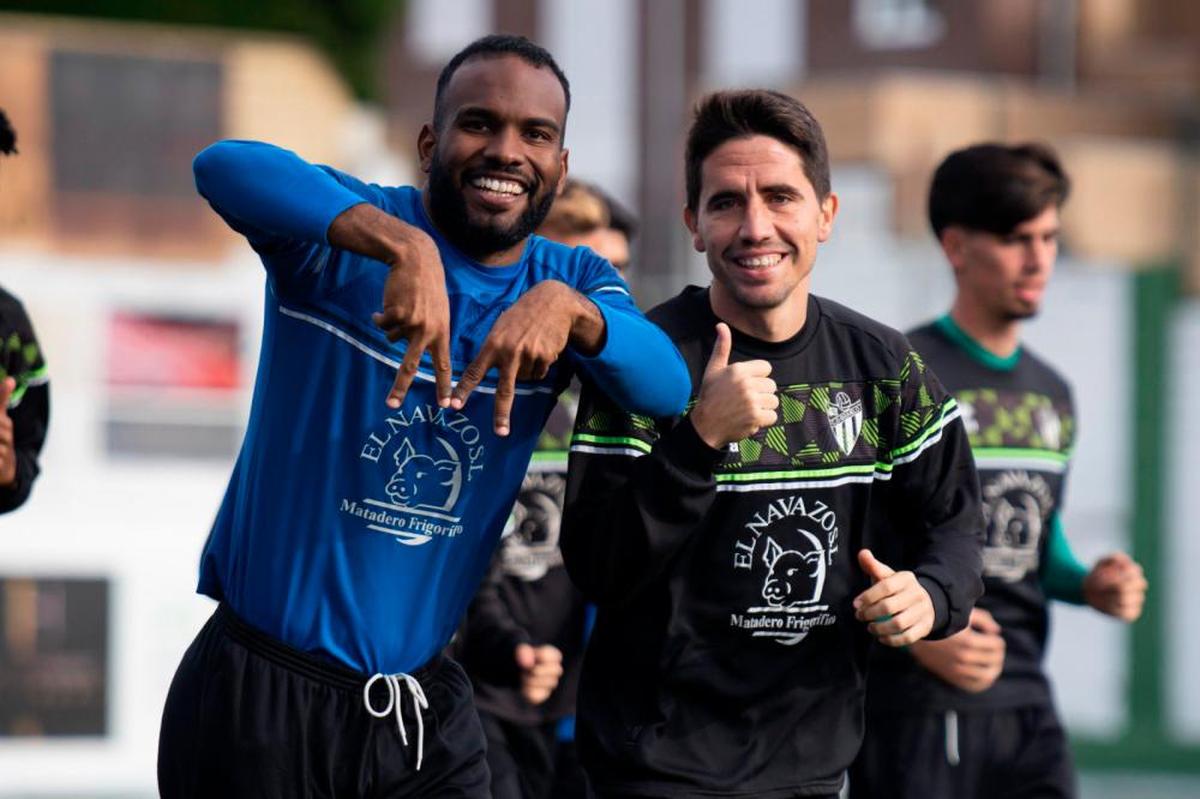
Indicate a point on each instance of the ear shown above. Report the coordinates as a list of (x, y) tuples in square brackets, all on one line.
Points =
[(404, 452), (829, 209), (954, 246), (564, 160), (772, 552), (692, 223), (426, 145)]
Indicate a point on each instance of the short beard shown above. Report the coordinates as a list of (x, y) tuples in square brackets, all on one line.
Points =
[(449, 211), (1020, 316)]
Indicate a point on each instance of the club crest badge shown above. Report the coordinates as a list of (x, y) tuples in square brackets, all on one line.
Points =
[(845, 420), (1049, 427)]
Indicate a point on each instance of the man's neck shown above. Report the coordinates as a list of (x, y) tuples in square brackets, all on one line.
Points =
[(1000, 337), (765, 324)]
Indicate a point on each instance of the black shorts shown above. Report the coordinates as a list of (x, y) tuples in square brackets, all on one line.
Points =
[(249, 716), (520, 756), (1015, 753)]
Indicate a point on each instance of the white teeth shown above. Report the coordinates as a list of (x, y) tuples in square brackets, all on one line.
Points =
[(499, 186), (760, 260)]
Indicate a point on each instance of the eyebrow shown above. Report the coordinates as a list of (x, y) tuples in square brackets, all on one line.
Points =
[(479, 111), (774, 188), (723, 195)]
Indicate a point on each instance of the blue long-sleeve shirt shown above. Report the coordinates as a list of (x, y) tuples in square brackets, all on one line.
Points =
[(349, 529)]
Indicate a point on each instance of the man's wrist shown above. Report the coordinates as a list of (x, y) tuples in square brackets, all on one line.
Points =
[(699, 424), (405, 245), (587, 325)]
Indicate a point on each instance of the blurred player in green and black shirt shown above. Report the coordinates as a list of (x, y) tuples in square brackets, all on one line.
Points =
[(973, 715), (24, 386)]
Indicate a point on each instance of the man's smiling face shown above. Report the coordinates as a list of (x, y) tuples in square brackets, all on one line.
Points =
[(758, 221), (497, 161)]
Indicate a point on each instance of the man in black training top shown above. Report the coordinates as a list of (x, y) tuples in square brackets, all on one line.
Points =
[(972, 716), (742, 555)]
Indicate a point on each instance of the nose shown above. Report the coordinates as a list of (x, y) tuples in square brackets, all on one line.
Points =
[(503, 146), (1040, 254), (756, 222)]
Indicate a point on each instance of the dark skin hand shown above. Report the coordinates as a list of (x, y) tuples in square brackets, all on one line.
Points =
[(523, 343), (415, 305), (527, 339)]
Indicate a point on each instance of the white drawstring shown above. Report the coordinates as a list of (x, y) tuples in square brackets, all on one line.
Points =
[(952, 756), (392, 681)]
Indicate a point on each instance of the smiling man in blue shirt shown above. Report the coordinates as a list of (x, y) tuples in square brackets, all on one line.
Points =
[(355, 530)]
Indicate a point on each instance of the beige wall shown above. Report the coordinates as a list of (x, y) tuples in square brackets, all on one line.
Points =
[(273, 88), (1130, 202)]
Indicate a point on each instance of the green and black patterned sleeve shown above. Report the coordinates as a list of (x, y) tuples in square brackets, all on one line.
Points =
[(937, 496), (636, 491), (29, 405)]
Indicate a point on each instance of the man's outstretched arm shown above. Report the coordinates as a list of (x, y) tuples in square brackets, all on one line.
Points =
[(277, 200)]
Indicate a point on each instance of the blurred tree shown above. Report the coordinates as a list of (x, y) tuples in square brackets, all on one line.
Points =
[(349, 31)]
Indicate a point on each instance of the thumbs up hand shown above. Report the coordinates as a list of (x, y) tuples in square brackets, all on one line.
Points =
[(8, 452), (1116, 586), (897, 608), (735, 400)]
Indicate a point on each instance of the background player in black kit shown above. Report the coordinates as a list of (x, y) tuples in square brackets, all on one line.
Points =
[(972, 716), (522, 640), (726, 549), (24, 386)]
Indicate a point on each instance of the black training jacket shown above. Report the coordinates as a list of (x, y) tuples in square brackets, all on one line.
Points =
[(726, 659), (1021, 422)]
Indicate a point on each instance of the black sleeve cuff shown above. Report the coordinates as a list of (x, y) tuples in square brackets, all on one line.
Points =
[(941, 607), (688, 452)]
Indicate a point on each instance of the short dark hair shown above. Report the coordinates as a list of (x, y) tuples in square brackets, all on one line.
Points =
[(495, 46), (995, 187), (8, 136), (735, 114)]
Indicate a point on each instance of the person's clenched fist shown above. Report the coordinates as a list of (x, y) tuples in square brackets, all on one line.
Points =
[(541, 669)]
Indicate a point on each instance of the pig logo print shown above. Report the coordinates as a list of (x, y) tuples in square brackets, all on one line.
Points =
[(1015, 505), (529, 547), (423, 482), (788, 551), (794, 579)]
